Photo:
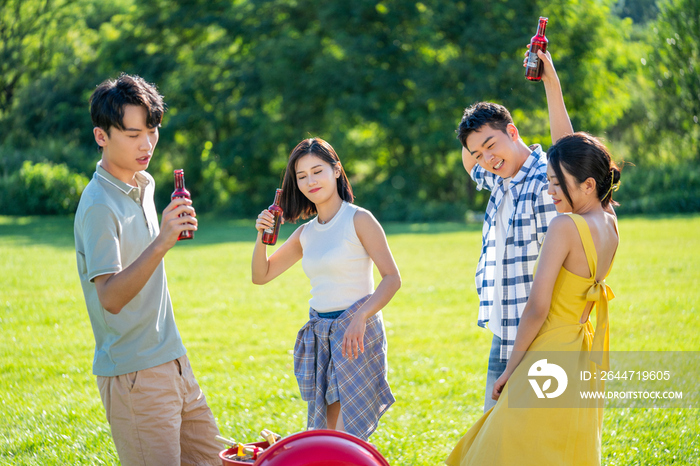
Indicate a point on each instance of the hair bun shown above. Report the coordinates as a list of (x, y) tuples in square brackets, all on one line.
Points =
[(615, 172)]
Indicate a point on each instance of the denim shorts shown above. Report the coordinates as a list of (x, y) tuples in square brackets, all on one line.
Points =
[(496, 368), (331, 315)]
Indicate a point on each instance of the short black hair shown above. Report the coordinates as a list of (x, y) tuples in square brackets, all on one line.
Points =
[(294, 203), (481, 114), (584, 156), (109, 99)]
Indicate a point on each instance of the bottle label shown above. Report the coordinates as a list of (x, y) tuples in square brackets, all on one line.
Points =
[(532, 59), (269, 231)]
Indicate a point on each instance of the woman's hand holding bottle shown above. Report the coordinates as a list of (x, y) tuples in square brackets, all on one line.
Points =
[(264, 221)]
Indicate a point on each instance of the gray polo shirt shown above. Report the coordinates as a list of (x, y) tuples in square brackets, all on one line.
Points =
[(114, 224)]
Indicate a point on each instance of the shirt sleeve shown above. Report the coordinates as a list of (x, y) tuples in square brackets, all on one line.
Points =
[(482, 178), (101, 241), (544, 212)]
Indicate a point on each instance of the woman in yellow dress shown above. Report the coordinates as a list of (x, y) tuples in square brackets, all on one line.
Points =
[(531, 424)]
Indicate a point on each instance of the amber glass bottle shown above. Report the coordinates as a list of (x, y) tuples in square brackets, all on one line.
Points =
[(180, 191), (270, 235), (533, 70)]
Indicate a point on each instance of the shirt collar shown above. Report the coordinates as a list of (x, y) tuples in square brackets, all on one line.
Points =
[(134, 192), (531, 160)]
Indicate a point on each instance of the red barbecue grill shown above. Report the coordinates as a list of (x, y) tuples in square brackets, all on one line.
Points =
[(313, 448)]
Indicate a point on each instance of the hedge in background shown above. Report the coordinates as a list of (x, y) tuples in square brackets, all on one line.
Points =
[(41, 189)]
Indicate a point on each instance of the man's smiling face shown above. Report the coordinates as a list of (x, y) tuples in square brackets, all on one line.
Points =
[(496, 151)]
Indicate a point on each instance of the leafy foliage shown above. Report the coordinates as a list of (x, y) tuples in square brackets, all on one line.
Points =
[(42, 188), (675, 68), (385, 82), (670, 188)]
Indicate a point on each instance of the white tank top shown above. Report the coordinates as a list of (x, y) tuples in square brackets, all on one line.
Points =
[(335, 261)]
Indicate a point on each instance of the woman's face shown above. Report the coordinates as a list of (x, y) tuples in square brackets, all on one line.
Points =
[(316, 178), (561, 203)]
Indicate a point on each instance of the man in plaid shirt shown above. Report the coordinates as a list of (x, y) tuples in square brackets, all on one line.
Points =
[(517, 215)]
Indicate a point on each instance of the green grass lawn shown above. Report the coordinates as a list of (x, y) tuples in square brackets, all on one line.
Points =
[(239, 338)]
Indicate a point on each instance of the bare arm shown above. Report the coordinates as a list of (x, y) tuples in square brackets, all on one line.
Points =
[(559, 122), (265, 269), (372, 237), (555, 249), (468, 160), (116, 290)]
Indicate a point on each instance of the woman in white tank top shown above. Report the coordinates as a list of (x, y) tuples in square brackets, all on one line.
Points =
[(340, 354)]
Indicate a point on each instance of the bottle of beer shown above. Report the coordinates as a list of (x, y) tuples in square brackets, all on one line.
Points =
[(533, 70), (270, 234), (180, 191)]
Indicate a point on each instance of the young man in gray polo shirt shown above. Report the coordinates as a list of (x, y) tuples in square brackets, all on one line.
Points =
[(156, 410)]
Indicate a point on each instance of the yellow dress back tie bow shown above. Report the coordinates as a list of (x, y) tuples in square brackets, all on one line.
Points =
[(601, 293)]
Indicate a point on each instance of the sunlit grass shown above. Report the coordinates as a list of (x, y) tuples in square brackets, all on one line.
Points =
[(239, 338)]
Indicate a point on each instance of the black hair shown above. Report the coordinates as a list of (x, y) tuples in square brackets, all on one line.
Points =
[(481, 114), (293, 202), (584, 156), (107, 102)]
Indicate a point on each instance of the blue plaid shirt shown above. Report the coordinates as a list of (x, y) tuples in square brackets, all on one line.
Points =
[(325, 376), (526, 229)]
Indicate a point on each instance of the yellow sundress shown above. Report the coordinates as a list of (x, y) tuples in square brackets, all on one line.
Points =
[(551, 436)]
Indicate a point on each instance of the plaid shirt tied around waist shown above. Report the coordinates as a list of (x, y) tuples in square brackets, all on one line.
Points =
[(526, 229), (325, 376)]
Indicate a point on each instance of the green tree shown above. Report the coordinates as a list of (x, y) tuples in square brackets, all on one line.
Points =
[(641, 11), (30, 33), (385, 82), (47, 71), (675, 69)]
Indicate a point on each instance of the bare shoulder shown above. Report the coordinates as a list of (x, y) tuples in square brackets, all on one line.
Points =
[(611, 224), (297, 233), (610, 210), (561, 225), (365, 223), (561, 230)]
